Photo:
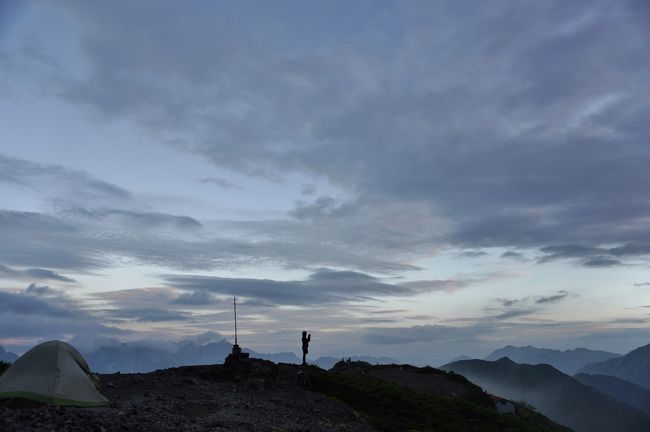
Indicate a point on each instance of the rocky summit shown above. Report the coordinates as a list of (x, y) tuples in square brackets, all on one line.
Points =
[(260, 396)]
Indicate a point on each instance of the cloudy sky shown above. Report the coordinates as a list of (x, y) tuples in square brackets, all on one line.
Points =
[(416, 179)]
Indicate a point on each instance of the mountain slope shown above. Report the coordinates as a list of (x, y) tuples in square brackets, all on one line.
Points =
[(393, 405), (569, 361), (633, 367), (554, 394), (625, 391)]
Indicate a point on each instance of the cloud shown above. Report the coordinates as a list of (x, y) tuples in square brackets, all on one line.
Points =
[(512, 255), (424, 334), (514, 308), (602, 262), (561, 295), (47, 275), (196, 298), (308, 189), (42, 313), (60, 183), (568, 251), (321, 207), (473, 253), (221, 182), (54, 242), (34, 273), (30, 303), (497, 136), (629, 321), (84, 241), (85, 225), (136, 220), (512, 302), (142, 299), (148, 314), (90, 222), (321, 287), (590, 256), (513, 313), (447, 285), (44, 291)]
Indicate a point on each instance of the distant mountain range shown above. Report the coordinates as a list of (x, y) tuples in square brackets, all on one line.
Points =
[(461, 357), (7, 356), (329, 362), (554, 394), (633, 367), (133, 358), (625, 391), (569, 361), (138, 358)]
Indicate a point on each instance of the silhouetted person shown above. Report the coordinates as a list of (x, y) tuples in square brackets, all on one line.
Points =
[(305, 346)]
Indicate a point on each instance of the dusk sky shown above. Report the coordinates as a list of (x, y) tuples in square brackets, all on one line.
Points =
[(413, 179)]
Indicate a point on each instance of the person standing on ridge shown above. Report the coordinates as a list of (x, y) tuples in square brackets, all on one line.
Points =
[(305, 346)]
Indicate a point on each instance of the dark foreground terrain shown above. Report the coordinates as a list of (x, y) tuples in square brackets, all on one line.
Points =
[(262, 396), (197, 398)]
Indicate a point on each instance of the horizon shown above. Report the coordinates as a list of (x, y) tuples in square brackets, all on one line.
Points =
[(416, 180), (88, 347)]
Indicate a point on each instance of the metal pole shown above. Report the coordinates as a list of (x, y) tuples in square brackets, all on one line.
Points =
[(234, 302)]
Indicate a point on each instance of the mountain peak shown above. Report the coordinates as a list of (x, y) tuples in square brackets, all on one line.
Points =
[(569, 361), (7, 356)]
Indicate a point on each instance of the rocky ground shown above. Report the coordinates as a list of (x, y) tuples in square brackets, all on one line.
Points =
[(260, 396)]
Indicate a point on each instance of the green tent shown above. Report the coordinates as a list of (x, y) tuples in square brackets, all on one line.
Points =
[(55, 373)]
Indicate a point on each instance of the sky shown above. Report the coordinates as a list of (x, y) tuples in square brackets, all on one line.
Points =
[(413, 179)]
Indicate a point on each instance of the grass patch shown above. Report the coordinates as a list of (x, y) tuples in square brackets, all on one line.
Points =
[(390, 407)]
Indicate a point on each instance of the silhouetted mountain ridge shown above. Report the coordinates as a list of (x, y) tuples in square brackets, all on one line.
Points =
[(633, 367), (624, 391), (555, 394), (568, 361)]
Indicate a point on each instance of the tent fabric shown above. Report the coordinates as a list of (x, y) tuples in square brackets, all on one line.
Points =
[(53, 372)]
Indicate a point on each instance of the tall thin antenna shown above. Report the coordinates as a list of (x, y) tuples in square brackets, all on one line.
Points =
[(234, 303)]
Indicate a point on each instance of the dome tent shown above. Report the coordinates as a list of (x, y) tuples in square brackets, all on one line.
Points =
[(53, 372)]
